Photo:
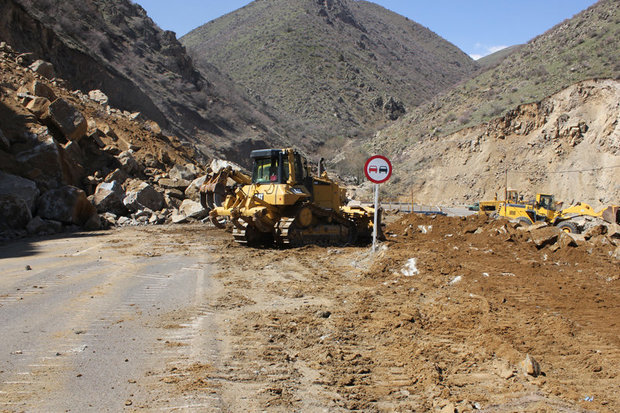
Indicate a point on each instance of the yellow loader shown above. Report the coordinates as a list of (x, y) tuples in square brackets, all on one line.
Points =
[(283, 204), (574, 219)]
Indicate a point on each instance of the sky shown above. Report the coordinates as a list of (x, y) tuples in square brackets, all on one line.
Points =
[(478, 27)]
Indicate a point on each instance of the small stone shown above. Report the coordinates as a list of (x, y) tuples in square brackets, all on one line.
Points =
[(530, 366), (28, 268)]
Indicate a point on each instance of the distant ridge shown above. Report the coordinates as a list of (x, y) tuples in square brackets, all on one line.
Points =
[(335, 67)]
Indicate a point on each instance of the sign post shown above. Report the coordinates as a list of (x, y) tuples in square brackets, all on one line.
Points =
[(378, 170)]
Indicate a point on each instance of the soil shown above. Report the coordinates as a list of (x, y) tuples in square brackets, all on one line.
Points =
[(441, 318)]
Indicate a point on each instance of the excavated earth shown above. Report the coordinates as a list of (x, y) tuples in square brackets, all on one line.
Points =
[(440, 318)]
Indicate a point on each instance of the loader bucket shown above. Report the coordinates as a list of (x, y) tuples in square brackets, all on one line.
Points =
[(212, 196), (612, 214)]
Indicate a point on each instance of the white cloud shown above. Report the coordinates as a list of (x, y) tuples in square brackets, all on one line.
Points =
[(484, 50)]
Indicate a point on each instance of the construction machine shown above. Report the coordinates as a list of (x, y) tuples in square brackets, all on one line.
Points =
[(283, 204), (574, 219)]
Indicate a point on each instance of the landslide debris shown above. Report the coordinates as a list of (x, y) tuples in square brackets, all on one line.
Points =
[(69, 160), (489, 321)]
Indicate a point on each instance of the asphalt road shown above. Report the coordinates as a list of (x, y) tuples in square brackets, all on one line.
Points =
[(85, 319)]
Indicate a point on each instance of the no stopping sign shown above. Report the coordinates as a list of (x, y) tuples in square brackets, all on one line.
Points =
[(378, 169)]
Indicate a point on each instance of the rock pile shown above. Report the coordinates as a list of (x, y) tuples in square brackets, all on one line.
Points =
[(69, 161)]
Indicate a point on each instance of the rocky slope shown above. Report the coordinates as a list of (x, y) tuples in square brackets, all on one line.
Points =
[(567, 145), (584, 47), (116, 47), (336, 67), (70, 161)]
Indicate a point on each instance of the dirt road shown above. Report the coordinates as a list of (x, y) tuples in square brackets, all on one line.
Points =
[(182, 319)]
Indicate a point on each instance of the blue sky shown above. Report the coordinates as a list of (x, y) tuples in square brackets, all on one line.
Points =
[(478, 27)]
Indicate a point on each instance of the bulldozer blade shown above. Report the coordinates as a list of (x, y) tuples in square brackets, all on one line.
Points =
[(612, 214)]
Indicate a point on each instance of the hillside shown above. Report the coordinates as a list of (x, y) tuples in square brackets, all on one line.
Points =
[(583, 47), (336, 67), (567, 145), (116, 47)]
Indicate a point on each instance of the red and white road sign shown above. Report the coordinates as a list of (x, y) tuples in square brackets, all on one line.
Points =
[(378, 169)]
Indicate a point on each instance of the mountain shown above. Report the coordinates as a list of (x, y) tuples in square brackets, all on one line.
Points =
[(335, 67), (584, 47), (116, 47), (567, 144)]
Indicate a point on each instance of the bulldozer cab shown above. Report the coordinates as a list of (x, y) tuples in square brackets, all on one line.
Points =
[(545, 201), (279, 166)]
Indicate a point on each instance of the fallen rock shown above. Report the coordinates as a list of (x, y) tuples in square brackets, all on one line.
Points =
[(109, 197), (68, 119), (40, 226), (218, 164), (39, 106), (152, 126), (143, 196), (530, 366), (544, 236), (565, 240), (174, 183), (14, 212), (43, 68), (128, 162), (192, 209), (536, 225), (186, 173), (175, 193), (117, 175), (40, 89), (109, 217), (613, 230), (193, 190), (595, 231), (21, 187), (41, 162), (66, 204), (98, 96)]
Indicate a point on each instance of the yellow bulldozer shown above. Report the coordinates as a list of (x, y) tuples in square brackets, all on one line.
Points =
[(283, 204), (574, 219)]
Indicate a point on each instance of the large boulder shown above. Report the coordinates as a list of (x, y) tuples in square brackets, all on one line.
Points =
[(14, 212), (68, 119), (66, 204), (192, 209), (143, 196), (43, 68), (193, 190), (40, 161), (20, 187), (109, 197), (544, 236)]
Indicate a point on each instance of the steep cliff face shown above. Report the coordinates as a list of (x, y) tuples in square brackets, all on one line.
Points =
[(567, 144), (116, 47)]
